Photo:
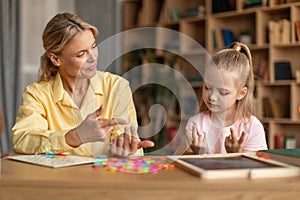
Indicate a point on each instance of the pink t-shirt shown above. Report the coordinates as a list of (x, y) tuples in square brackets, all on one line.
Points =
[(255, 138)]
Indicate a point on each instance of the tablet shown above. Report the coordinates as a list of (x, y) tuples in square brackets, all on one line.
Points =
[(237, 165)]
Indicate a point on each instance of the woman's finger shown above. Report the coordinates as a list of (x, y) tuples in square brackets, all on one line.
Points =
[(127, 136), (111, 122), (113, 146), (134, 139), (100, 110), (106, 134), (120, 144)]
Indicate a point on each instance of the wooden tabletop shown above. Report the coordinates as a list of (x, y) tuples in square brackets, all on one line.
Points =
[(26, 181)]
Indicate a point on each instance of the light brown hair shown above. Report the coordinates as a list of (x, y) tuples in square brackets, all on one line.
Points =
[(58, 32)]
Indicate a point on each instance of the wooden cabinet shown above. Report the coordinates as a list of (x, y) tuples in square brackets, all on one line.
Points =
[(268, 29)]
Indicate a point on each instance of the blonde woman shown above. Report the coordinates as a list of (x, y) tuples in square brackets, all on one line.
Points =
[(73, 108)]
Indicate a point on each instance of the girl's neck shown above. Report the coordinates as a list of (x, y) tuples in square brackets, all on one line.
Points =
[(223, 119)]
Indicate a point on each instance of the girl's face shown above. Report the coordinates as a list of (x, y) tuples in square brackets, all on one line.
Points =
[(79, 57), (220, 92)]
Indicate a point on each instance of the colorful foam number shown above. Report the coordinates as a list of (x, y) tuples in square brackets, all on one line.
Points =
[(134, 164)]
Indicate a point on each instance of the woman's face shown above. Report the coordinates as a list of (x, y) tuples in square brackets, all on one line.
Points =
[(220, 92), (79, 57)]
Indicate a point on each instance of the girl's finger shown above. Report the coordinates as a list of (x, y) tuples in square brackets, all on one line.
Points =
[(241, 139), (233, 137), (228, 141), (201, 140), (194, 136)]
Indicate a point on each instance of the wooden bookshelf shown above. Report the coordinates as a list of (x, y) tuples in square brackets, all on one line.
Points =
[(199, 20)]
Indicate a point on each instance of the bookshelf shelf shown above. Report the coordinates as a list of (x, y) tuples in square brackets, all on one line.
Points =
[(205, 28)]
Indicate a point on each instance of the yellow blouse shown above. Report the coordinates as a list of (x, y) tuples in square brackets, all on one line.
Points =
[(48, 112)]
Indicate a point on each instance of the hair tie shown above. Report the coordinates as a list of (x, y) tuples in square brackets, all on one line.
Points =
[(237, 48)]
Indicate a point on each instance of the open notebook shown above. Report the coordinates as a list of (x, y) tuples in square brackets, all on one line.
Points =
[(52, 160)]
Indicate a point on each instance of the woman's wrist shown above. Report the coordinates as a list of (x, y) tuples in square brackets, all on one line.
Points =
[(72, 138)]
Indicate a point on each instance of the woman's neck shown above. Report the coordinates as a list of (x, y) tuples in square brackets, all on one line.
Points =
[(76, 88)]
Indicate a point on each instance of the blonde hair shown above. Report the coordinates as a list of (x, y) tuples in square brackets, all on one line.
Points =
[(237, 60), (58, 32)]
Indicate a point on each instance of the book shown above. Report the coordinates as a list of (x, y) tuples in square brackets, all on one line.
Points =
[(279, 31), (228, 37), (222, 6), (273, 28), (276, 108), (297, 29), (267, 109), (284, 26), (130, 13), (289, 156), (220, 39), (252, 3), (214, 36), (289, 142), (283, 70), (52, 160), (149, 12), (279, 140), (263, 73)]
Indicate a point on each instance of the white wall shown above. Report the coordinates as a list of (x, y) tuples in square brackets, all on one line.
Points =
[(34, 16)]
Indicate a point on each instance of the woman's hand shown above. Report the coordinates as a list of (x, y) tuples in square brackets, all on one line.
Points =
[(234, 144), (128, 143), (92, 129), (195, 140)]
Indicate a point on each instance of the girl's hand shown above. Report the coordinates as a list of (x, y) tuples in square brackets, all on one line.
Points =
[(195, 140), (234, 144), (128, 143)]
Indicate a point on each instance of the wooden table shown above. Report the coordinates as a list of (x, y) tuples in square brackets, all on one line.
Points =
[(26, 181)]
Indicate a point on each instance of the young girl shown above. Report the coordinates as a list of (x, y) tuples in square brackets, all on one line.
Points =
[(226, 122)]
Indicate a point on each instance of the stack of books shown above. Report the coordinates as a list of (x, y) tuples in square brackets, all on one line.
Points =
[(288, 156)]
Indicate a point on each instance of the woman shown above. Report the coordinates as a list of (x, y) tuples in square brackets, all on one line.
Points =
[(73, 108)]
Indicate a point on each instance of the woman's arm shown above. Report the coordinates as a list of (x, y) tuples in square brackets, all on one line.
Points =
[(31, 134)]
